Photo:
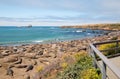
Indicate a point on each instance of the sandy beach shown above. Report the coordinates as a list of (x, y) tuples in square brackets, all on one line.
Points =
[(22, 61)]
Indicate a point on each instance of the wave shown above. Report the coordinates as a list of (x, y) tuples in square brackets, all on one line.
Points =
[(38, 41), (88, 33), (78, 31)]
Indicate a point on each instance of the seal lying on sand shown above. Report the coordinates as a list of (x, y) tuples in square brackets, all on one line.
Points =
[(30, 67), (10, 72)]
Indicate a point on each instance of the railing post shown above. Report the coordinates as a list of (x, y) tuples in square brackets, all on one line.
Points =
[(105, 62), (92, 53), (103, 70), (89, 50), (117, 45)]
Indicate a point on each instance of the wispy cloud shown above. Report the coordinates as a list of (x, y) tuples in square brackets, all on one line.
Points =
[(66, 11)]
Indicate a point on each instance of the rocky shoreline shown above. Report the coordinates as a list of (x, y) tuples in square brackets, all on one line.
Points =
[(20, 62), (109, 27)]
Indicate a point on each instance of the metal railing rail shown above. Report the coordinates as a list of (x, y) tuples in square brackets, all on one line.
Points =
[(105, 62)]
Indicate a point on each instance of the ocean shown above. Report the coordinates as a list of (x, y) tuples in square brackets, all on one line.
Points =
[(10, 35)]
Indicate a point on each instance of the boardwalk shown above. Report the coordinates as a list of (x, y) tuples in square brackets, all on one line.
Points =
[(115, 61)]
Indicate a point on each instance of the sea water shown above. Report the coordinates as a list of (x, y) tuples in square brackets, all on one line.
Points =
[(11, 35)]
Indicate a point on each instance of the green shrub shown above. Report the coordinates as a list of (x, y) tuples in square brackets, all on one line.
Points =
[(64, 65), (39, 68), (90, 74), (75, 71), (107, 47)]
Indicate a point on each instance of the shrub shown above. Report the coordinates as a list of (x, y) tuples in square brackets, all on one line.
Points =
[(78, 56), (90, 74), (107, 47), (67, 58), (75, 71), (39, 68), (64, 65)]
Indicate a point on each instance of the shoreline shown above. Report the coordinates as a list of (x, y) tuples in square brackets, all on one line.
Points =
[(63, 35), (50, 41), (63, 41), (42, 54), (66, 44), (107, 27)]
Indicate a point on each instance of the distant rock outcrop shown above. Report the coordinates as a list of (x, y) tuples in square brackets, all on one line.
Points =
[(29, 26), (114, 26)]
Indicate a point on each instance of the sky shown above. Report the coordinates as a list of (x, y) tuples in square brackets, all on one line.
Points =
[(58, 12)]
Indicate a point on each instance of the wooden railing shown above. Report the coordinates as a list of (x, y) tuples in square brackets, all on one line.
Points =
[(94, 52)]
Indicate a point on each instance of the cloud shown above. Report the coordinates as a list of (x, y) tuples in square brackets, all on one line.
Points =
[(93, 6), (66, 11), (78, 18)]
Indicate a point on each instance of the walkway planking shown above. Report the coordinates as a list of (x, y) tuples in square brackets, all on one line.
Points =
[(115, 61)]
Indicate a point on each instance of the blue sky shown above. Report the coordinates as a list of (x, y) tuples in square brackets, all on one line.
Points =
[(58, 12)]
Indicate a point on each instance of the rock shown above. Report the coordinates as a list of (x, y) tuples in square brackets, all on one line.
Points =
[(30, 67), (10, 72)]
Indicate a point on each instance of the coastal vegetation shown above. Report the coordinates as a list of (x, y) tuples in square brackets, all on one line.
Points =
[(81, 69), (109, 49), (114, 26), (73, 66)]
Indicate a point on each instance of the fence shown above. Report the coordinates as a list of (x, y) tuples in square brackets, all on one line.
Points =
[(94, 52)]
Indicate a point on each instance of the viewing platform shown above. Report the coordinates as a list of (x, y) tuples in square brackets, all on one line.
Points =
[(109, 66)]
